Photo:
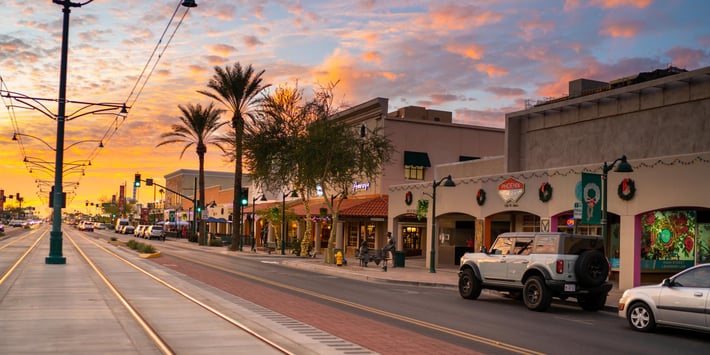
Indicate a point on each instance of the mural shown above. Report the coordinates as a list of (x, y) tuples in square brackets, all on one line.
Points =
[(668, 240)]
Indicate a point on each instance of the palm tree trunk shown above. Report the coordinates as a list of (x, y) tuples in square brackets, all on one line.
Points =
[(202, 238), (238, 125)]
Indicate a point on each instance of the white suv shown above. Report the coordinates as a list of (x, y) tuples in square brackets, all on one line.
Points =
[(538, 267)]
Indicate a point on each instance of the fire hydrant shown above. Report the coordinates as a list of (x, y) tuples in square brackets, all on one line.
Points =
[(339, 258)]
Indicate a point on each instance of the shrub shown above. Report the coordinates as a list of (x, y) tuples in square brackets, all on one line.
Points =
[(147, 248), (216, 242)]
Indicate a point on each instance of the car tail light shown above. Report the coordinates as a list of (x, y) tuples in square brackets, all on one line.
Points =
[(560, 266)]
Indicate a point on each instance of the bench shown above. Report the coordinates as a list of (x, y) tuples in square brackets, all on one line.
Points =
[(376, 255)]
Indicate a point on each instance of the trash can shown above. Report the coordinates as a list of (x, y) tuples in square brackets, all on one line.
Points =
[(398, 259)]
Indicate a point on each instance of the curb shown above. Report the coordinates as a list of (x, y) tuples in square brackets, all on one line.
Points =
[(149, 255)]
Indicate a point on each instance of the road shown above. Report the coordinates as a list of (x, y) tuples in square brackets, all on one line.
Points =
[(394, 318)]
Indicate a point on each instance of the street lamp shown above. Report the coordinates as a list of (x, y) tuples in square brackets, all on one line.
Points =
[(432, 254), (253, 218), (293, 194), (624, 167), (16, 134)]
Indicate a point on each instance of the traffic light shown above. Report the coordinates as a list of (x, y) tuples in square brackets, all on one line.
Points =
[(149, 182), (137, 181), (199, 209), (244, 199)]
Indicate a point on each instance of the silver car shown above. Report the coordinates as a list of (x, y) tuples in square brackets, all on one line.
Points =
[(679, 301)]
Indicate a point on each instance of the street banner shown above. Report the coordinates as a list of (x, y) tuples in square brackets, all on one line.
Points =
[(591, 198)]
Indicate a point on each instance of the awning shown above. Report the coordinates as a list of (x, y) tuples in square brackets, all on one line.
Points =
[(417, 159)]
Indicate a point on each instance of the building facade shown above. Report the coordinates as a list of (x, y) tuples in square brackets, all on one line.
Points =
[(658, 215)]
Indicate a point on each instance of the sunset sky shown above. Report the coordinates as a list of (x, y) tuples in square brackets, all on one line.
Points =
[(477, 59)]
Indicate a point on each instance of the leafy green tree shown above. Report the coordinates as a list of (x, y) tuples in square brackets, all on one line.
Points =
[(238, 89), (299, 143), (198, 127)]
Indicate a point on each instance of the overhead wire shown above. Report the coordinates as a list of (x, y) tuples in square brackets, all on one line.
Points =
[(131, 100)]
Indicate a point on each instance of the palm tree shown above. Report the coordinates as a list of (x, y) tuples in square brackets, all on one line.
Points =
[(236, 88), (198, 127)]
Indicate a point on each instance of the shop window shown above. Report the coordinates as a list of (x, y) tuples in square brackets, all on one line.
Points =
[(531, 223), (412, 172), (411, 240)]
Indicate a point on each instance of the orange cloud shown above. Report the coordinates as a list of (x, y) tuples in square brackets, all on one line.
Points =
[(491, 70), (470, 50), (222, 49), (372, 56)]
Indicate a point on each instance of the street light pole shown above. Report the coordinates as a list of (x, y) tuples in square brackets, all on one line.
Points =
[(55, 236), (432, 253), (624, 167), (283, 220)]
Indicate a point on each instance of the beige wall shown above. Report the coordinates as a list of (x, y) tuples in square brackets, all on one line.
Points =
[(666, 116)]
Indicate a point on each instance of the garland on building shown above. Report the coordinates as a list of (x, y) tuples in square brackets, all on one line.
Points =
[(627, 189), (422, 209), (481, 197), (408, 198), (545, 192)]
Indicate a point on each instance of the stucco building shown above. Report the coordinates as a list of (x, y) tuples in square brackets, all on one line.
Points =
[(658, 215)]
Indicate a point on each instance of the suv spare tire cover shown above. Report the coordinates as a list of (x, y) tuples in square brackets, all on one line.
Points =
[(591, 268)]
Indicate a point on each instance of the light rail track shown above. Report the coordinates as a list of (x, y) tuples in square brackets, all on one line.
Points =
[(176, 314)]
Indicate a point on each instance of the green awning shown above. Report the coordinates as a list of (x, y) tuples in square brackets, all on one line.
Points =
[(416, 159)]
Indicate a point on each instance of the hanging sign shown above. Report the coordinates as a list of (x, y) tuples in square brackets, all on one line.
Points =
[(511, 190)]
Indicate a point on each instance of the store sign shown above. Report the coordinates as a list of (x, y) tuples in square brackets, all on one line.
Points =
[(360, 186), (511, 191)]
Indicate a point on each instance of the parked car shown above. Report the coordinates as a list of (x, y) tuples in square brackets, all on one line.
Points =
[(682, 300), (539, 266), (2, 227), (138, 232), (128, 229), (155, 231), (15, 223)]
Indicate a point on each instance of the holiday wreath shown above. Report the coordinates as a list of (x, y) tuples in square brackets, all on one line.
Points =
[(545, 192), (481, 197), (627, 189)]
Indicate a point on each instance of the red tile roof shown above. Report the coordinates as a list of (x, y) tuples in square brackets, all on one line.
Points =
[(353, 206)]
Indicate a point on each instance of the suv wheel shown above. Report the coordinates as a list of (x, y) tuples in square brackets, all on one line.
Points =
[(591, 268), (536, 295), (640, 317), (592, 302), (469, 285)]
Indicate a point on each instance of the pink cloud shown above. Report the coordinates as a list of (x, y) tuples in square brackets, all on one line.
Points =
[(532, 26), (608, 4), (625, 29), (456, 17), (251, 41), (686, 58)]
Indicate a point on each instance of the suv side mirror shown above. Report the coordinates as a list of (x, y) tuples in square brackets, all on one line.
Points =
[(483, 249)]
